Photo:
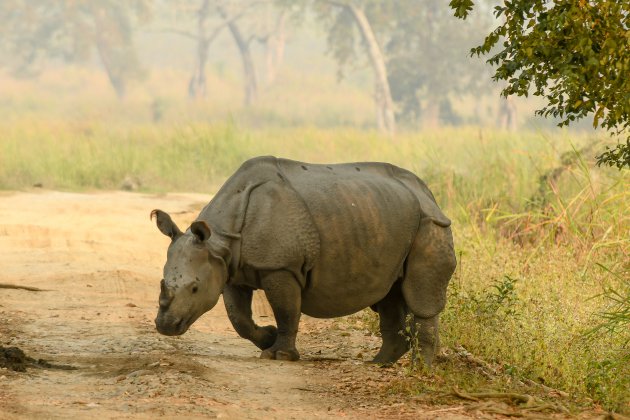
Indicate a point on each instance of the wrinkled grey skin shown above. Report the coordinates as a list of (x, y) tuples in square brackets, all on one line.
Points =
[(324, 240)]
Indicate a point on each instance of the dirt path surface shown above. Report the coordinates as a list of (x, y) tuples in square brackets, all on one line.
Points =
[(100, 259)]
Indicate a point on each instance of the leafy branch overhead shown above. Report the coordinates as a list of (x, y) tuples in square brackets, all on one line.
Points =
[(575, 54)]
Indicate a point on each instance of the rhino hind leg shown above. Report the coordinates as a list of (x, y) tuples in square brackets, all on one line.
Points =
[(285, 298), (392, 311), (429, 267)]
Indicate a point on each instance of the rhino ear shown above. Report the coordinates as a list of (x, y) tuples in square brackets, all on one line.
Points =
[(166, 224), (201, 230)]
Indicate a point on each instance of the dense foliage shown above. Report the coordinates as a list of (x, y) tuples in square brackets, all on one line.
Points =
[(575, 54)]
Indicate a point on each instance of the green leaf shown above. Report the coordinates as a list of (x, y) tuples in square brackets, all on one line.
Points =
[(461, 7), (598, 115)]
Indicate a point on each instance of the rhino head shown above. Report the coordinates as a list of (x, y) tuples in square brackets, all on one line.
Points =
[(194, 275)]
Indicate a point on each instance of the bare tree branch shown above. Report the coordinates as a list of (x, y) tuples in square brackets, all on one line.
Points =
[(215, 31), (335, 3), (175, 31)]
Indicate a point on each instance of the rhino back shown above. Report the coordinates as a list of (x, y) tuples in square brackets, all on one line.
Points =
[(344, 230), (366, 220)]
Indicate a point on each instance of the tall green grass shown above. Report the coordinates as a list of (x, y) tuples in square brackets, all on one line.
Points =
[(541, 234), (189, 156)]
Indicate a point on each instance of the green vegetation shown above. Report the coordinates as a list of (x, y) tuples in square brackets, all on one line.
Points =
[(541, 290), (541, 236), (575, 54)]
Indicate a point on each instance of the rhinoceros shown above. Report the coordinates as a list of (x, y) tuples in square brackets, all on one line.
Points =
[(323, 240)]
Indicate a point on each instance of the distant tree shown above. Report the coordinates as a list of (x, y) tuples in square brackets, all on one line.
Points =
[(507, 113), (197, 84), (212, 17), (207, 30), (274, 40), (243, 43), (575, 54), (35, 30), (427, 58), (415, 50), (343, 19), (253, 26)]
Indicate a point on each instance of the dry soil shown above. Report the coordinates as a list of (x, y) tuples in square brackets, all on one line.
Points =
[(99, 257)]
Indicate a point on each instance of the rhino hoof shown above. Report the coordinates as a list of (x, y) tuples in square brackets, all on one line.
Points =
[(290, 355), (267, 337), (379, 363)]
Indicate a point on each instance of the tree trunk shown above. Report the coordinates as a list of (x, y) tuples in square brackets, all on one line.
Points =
[(382, 95), (249, 73), (507, 114), (106, 54), (117, 81), (197, 85), (281, 39), (431, 113), (274, 44)]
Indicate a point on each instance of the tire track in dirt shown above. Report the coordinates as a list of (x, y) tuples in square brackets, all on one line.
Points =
[(102, 259)]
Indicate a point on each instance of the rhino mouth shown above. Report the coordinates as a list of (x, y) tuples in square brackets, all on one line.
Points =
[(172, 327)]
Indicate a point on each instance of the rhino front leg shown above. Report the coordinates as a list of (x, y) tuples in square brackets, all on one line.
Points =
[(238, 303), (427, 330), (285, 298)]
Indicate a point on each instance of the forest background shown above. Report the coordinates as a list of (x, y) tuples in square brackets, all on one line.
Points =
[(172, 96)]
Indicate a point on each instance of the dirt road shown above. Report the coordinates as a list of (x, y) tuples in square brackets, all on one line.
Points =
[(100, 259)]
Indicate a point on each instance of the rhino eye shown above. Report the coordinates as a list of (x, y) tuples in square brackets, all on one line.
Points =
[(194, 289)]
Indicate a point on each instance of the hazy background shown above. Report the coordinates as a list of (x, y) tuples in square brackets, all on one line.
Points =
[(111, 95), (133, 62)]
